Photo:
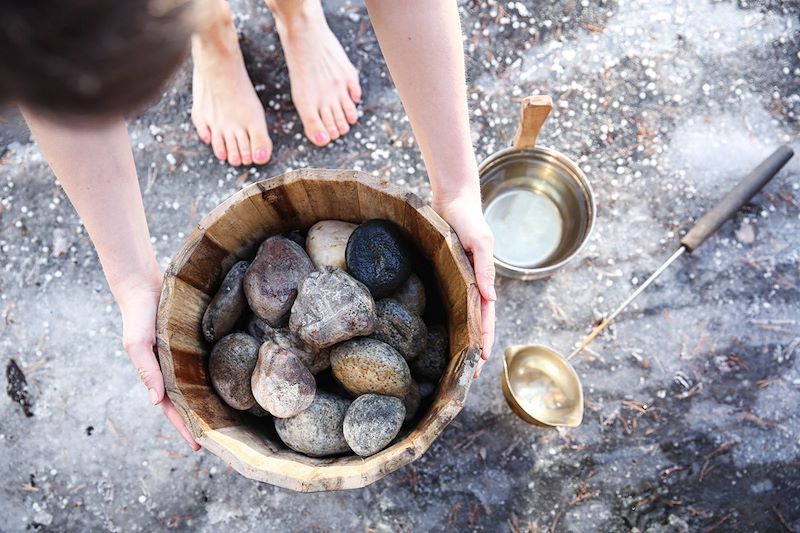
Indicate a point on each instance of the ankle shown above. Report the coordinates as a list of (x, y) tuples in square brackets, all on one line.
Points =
[(217, 32), (292, 16)]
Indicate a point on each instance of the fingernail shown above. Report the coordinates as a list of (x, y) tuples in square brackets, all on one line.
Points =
[(492, 293), (322, 137), (153, 396)]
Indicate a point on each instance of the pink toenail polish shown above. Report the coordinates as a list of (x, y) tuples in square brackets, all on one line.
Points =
[(261, 155), (322, 138)]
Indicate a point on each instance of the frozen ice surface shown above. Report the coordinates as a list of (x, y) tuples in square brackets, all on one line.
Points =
[(692, 396)]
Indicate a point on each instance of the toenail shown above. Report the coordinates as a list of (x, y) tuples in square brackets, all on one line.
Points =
[(261, 155), (322, 137)]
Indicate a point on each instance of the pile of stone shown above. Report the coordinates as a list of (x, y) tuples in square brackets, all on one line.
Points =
[(325, 334)]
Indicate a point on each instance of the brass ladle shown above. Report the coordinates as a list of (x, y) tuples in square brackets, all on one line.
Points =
[(542, 387)]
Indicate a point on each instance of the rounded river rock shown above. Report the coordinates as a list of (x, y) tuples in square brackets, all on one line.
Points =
[(331, 307), (270, 283), (227, 305), (412, 295), (399, 328), (432, 360), (317, 431), (281, 384), (378, 256), (372, 421), (366, 365), (230, 366), (327, 241)]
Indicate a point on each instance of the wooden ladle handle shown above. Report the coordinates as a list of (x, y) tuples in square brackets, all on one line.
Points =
[(535, 110)]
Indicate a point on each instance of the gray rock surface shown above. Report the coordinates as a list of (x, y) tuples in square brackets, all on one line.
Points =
[(331, 307), (371, 422), (317, 431), (230, 366), (412, 295), (400, 328), (366, 365), (327, 241), (281, 384), (272, 279), (432, 359), (227, 305)]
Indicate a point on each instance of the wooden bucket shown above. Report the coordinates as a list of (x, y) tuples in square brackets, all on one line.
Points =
[(233, 231)]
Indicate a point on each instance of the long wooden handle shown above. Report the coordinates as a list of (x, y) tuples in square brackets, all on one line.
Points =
[(535, 110), (736, 198)]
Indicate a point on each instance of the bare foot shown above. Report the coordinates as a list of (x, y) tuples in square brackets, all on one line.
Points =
[(325, 87), (226, 110)]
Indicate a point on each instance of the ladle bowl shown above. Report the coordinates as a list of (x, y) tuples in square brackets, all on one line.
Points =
[(541, 387)]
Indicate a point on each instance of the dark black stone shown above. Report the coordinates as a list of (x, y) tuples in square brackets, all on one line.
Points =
[(378, 256)]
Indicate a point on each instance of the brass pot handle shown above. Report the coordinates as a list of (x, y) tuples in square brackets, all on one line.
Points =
[(535, 110)]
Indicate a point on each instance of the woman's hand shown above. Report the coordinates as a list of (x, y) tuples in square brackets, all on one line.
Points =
[(138, 303), (465, 216)]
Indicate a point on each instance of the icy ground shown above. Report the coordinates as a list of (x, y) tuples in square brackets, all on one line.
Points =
[(692, 415)]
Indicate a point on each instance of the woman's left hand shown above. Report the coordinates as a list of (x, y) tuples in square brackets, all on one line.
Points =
[(465, 216)]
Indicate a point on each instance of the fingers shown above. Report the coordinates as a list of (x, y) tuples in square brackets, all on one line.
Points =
[(487, 333), (175, 419), (144, 360), (483, 262)]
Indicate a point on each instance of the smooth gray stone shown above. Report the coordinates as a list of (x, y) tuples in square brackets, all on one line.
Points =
[(230, 367), (317, 431), (227, 305), (331, 307), (432, 360), (281, 384), (366, 365), (270, 283), (412, 295), (372, 421), (399, 328)]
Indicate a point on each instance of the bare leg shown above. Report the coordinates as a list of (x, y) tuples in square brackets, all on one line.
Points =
[(324, 83), (226, 110)]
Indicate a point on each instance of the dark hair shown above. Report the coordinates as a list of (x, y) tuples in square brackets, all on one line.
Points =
[(90, 57)]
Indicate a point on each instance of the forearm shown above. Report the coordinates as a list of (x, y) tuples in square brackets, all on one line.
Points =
[(95, 166), (421, 41)]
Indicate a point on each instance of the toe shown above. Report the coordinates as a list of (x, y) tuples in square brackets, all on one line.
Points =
[(243, 142), (354, 87), (203, 131), (349, 109), (341, 122), (218, 144), (316, 131), (260, 143), (233, 149), (330, 124)]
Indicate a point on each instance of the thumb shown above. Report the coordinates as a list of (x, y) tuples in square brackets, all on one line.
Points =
[(144, 359)]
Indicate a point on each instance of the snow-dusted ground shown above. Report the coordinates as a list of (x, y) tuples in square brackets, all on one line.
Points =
[(664, 104)]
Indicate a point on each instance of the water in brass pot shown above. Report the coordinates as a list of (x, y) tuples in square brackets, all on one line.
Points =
[(527, 227)]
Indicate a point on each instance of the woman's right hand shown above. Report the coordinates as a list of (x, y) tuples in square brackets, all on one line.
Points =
[(138, 303)]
